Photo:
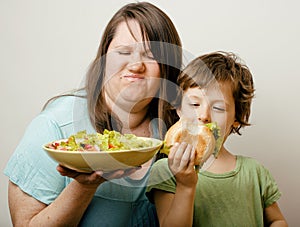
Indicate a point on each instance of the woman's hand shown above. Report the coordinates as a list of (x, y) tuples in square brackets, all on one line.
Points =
[(95, 178), (181, 162)]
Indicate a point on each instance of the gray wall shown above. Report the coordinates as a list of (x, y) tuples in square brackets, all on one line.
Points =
[(46, 47)]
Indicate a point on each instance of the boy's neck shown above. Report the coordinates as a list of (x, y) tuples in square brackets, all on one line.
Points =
[(225, 162)]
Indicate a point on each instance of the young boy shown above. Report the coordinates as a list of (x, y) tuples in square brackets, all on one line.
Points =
[(233, 190)]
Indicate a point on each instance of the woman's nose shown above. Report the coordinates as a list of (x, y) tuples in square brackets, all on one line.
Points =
[(137, 63), (138, 66)]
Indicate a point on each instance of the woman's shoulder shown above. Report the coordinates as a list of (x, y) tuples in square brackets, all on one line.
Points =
[(66, 109), (65, 103)]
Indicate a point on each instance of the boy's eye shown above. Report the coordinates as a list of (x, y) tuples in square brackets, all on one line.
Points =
[(194, 104), (217, 108)]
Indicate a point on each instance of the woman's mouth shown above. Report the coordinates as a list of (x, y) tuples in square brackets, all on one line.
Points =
[(132, 77)]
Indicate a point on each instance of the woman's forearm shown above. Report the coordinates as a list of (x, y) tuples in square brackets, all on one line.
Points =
[(68, 208)]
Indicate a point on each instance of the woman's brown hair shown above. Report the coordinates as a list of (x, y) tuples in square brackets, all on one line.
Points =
[(159, 31), (165, 45)]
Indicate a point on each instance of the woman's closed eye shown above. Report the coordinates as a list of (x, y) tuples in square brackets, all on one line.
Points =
[(146, 55), (123, 52), (149, 55)]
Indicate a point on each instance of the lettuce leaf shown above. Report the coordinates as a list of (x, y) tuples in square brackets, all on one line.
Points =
[(108, 141)]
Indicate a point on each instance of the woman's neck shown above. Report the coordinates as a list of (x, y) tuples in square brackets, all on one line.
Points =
[(134, 119), (136, 123)]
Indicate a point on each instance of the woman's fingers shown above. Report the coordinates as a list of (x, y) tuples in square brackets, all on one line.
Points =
[(96, 177), (92, 178), (64, 171), (118, 173)]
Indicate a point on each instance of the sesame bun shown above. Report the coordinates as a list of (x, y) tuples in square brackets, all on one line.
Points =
[(195, 134)]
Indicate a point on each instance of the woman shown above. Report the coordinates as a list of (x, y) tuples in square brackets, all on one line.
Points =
[(128, 86)]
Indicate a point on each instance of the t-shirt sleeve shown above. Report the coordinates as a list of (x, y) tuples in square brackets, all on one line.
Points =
[(30, 167), (160, 178), (269, 188)]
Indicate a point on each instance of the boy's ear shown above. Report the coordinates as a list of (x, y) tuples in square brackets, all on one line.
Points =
[(235, 124), (178, 111)]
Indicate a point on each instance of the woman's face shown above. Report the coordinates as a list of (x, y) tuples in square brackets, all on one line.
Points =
[(212, 104), (132, 75)]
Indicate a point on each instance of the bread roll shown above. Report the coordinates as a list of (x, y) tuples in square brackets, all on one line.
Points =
[(195, 134)]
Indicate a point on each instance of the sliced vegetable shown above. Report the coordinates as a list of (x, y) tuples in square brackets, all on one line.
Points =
[(108, 141)]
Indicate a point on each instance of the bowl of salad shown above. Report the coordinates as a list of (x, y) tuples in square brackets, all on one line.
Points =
[(105, 151)]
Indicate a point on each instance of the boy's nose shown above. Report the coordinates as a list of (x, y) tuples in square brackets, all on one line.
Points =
[(204, 115)]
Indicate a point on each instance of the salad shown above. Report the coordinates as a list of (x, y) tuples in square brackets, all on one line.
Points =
[(108, 141)]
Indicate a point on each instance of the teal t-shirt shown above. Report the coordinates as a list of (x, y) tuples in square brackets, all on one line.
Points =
[(121, 202), (236, 198)]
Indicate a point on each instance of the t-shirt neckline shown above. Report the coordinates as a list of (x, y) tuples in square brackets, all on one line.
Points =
[(227, 174)]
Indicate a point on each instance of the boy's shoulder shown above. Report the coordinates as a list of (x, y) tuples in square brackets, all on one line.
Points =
[(161, 165), (247, 159), (251, 163), (160, 170)]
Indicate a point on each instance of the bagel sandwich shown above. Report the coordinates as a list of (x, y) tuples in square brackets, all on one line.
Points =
[(204, 137)]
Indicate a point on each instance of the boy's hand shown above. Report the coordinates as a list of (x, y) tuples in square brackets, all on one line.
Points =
[(181, 161)]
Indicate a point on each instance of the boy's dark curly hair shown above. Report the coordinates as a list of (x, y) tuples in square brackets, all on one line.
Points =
[(222, 66)]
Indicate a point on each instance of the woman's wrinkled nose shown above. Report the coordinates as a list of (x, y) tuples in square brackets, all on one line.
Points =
[(137, 66), (136, 63)]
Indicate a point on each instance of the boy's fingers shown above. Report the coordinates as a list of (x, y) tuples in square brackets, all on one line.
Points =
[(186, 155), (177, 160), (173, 150), (192, 156), (181, 156)]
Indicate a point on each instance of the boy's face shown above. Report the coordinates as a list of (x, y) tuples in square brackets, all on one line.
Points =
[(211, 104)]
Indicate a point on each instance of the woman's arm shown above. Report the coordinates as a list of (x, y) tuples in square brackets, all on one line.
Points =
[(274, 217), (178, 209), (67, 209)]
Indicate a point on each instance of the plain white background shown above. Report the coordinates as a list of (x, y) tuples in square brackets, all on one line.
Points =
[(46, 47)]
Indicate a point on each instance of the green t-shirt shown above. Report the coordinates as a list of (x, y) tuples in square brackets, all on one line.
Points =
[(236, 198)]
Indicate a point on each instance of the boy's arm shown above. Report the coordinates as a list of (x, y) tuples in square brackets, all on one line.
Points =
[(274, 217), (175, 209)]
